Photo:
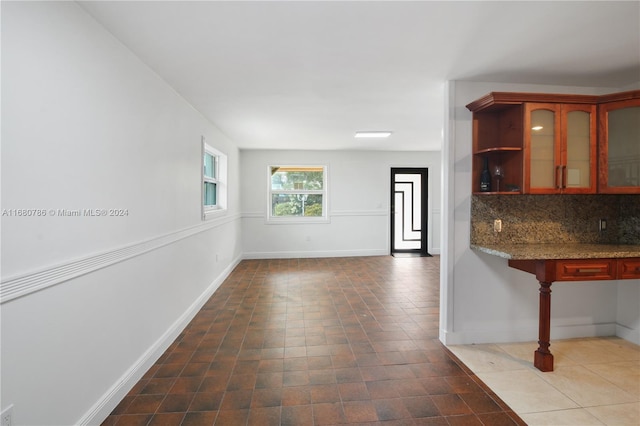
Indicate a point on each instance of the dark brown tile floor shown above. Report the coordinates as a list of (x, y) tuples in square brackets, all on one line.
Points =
[(315, 342)]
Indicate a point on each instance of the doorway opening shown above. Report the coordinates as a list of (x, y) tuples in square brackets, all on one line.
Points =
[(409, 197)]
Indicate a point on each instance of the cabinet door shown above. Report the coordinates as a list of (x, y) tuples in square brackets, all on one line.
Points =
[(619, 161), (542, 148), (578, 134), (560, 149)]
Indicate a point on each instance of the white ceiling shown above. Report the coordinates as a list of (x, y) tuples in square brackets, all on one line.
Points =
[(307, 75)]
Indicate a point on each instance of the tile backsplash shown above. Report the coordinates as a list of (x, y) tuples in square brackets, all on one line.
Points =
[(555, 219)]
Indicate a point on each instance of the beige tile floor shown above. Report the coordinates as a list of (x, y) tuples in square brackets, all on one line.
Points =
[(596, 381)]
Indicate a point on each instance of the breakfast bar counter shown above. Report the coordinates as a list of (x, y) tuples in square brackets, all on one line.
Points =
[(559, 251), (565, 262)]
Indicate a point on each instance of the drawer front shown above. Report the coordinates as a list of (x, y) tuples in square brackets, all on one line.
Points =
[(629, 268), (586, 270)]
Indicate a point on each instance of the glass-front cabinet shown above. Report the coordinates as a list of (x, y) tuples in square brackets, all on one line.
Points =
[(560, 148), (541, 143), (619, 147)]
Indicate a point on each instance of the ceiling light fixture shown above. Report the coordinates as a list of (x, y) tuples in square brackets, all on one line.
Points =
[(373, 134), (537, 128)]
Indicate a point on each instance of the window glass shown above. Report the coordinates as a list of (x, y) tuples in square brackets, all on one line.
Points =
[(296, 205), (214, 176), (297, 192), (296, 178), (209, 165), (209, 194)]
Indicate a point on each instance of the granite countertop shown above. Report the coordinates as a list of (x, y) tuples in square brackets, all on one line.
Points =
[(559, 251)]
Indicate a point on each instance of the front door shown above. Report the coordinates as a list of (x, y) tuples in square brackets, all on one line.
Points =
[(409, 197)]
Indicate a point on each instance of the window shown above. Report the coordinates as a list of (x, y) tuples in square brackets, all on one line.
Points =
[(297, 194), (214, 173)]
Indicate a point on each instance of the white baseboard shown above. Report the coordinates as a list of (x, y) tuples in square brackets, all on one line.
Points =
[(527, 334), (313, 254), (321, 253), (105, 405), (628, 334)]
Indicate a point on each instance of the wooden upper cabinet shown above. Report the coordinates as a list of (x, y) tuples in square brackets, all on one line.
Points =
[(497, 137), (558, 144), (559, 148), (619, 145), (559, 156)]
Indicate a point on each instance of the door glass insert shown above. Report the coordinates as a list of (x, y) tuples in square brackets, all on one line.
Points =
[(408, 216)]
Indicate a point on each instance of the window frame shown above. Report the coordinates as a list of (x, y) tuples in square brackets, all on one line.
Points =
[(324, 192), (219, 179)]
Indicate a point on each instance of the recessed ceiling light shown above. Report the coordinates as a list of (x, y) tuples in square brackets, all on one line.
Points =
[(537, 128), (373, 134)]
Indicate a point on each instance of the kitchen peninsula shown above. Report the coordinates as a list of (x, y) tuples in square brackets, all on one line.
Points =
[(565, 205), (558, 238), (565, 262)]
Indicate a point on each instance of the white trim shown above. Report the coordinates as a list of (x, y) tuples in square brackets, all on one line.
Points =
[(529, 334), (24, 284), (105, 405), (628, 334), (447, 204), (360, 213), (297, 220), (335, 213), (252, 215), (314, 254)]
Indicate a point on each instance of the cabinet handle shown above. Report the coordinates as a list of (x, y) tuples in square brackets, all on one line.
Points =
[(589, 270)]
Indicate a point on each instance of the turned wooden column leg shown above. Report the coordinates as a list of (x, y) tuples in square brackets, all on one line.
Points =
[(543, 359)]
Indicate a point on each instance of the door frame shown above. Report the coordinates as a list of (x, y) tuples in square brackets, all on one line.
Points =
[(424, 206)]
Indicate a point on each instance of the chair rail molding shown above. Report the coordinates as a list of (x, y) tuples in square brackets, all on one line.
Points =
[(18, 286)]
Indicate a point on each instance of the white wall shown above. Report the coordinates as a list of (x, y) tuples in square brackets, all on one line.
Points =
[(628, 316), (359, 185), (88, 303), (482, 299)]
